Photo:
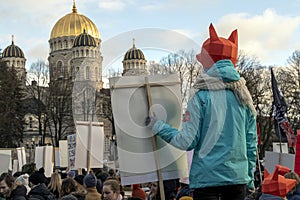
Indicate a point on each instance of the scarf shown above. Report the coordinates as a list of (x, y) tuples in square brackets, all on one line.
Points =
[(239, 88)]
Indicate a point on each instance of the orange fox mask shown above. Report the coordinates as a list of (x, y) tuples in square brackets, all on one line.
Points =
[(276, 184), (216, 48)]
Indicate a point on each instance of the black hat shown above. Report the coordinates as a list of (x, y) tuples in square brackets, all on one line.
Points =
[(79, 179), (36, 178)]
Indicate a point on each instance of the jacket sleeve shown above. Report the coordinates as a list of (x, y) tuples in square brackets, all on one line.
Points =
[(251, 142), (188, 137)]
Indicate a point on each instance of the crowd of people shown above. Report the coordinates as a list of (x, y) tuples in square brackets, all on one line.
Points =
[(71, 186)]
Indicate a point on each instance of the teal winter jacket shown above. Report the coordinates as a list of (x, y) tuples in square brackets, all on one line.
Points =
[(220, 130)]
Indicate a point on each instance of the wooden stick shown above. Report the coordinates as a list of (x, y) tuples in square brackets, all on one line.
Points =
[(44, 156), (154, 142), (89, 148), (142, 84), (259, 168)]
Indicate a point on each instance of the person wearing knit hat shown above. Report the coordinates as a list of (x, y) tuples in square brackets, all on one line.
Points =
[(36, 178), (90, 182), (23, 180), (138, 192), (219, 124), (71, 174), (79, 179)]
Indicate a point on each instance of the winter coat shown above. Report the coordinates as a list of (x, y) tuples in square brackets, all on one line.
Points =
[(92, 194), (40, 192), (79, 194), (19, 193), (295, 195), (221, 131), (269, 197)]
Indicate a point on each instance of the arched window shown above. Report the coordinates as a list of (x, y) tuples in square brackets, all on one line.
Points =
[(66, 44), (59, 45), (87, 73), (30, 122), (87, 52), (60, 69)]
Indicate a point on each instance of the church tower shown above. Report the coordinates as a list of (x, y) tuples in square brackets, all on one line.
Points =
[(14, 57), (75, 69), (134, 62), (64, 54)]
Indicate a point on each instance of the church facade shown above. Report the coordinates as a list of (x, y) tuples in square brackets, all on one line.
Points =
[(75, 71)]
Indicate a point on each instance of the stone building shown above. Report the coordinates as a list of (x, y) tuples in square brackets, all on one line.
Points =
[(75, 74)]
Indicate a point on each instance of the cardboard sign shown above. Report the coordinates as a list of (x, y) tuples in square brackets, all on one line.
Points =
[(63, 153), (21, 157), (274, 158), (137, 161), (15, 166), (89, 144), (71, 139), (44, 158), (284, 147), (6, 162)]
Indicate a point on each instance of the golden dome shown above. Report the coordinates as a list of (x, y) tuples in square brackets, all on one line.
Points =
[(73, 24)]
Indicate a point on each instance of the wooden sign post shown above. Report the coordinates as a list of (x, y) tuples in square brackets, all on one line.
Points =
[(154, 142)]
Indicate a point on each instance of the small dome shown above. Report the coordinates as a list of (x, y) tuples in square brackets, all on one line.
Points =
[(73, 24), (12, 51), (134, 54), (84, 39)]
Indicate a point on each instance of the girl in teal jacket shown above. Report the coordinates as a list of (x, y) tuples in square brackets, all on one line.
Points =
[(220, 125)]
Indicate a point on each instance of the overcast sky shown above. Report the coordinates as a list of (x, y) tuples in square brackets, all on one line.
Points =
[(268, 29)]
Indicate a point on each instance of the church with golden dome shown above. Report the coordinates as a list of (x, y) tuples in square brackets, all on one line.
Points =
[(75, 44), (75, 75)]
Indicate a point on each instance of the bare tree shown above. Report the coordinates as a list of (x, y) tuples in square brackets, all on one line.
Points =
[(185, 65), (61, 121), (289, 81), (38, 74), (258, 82)]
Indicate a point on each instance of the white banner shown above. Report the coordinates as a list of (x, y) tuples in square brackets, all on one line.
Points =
[(137, 160), (62, 154), (44, 158), (6, 162), (21, 157), (89, 144)]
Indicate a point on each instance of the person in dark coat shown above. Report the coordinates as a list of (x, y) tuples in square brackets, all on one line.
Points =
[(19, 193), (38, 188)]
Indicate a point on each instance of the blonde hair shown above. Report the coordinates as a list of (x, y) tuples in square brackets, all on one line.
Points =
[(55, 182)]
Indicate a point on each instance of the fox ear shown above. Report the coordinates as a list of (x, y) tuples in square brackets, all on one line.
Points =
[(212, 33), (233, 37)]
